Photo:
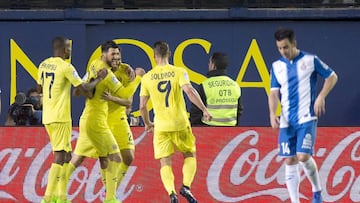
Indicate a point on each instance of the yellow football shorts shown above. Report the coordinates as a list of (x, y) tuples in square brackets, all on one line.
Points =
[(97, 134), (165, 142), (60, 136), (122, 133), (84, 146)]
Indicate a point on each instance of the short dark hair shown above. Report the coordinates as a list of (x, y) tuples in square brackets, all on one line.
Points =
[(161, 48), (59, 42), (220, 60), (107, 45), (284, 33)]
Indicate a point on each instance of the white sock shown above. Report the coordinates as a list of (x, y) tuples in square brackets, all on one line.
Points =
[(312, 174), (292, 179)]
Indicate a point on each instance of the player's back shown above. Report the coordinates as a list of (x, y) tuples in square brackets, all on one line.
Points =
[(56, 76), (163, 84), (96, 108)]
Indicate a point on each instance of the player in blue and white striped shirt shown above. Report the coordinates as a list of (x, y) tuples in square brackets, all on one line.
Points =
[(293, 82)]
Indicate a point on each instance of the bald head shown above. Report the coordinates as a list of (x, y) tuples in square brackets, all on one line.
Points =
[(61, 47)]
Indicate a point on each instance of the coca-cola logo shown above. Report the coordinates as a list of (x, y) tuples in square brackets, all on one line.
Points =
[(259, 167)]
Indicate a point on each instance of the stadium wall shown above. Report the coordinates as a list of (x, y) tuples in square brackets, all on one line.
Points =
[(246, 35)]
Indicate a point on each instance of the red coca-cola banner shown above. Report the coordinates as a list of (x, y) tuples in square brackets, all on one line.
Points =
[(234, 165)]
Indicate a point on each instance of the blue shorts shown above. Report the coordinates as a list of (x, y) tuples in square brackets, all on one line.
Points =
[(297, 139)]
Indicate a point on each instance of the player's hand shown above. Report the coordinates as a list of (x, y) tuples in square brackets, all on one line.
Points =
[(206, 115), (139, 71), (102, 73), (129, 71), (149, 127), (275, 121), (319, 106), (107, 96)]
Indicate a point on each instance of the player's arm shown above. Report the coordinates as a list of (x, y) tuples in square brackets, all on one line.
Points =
[(194, 97), (129, 71), (129, 90), (145, 113), (86, 88), (273, 100), (129, 108), (319, 106), (195, 112), (118, 100)]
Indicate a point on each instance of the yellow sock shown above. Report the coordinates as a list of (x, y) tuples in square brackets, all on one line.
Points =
[(69, 171), (189, 170), (53, 180), (103, 176), (122, 171), (111, 179), (61, 189), (167, 178)]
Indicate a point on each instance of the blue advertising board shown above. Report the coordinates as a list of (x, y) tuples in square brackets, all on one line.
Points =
[(249, 44)]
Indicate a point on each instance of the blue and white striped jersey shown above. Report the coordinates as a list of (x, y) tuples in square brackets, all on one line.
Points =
[(296, 80)]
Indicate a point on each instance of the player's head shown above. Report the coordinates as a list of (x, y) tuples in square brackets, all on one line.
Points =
[(61, 47), (218, 61), (161, 50), (286, 42), (110, 52), (115, 63)]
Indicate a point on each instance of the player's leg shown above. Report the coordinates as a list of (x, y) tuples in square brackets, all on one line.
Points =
[(306, 138), (287, 149), (185, 142), (125, 141), (106, 146), (163, 150), (127, 156), (60, 139), (83, 149), (64, 179), (112, 175), (64, 129), (104, 162)]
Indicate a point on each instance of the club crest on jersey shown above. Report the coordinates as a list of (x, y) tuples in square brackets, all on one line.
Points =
[(302, 66), (114, 79)]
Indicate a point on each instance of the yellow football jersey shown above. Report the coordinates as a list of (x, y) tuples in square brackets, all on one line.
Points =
[(163, 85), (56, 76), (96, 108), (117, 111)]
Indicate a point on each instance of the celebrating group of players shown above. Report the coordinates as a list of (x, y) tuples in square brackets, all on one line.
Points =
[(108, 86)]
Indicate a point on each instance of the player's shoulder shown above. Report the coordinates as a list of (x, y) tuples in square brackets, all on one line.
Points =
[(179, 69), (149, 73), (305, 53), (307, 57), (97, 63)]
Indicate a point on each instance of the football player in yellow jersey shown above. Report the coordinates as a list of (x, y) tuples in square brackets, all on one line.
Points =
[(117, 119), (94, 128), (55, 77), (164, 85)]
